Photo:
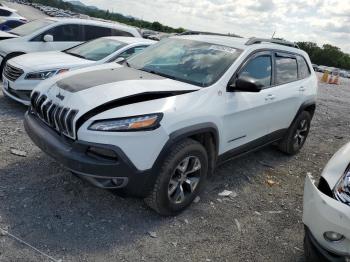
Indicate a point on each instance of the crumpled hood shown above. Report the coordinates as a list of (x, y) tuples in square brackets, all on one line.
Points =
[(49, 60), (106, 86)]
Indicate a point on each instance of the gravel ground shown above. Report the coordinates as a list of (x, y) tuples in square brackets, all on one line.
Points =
[(43, 204)]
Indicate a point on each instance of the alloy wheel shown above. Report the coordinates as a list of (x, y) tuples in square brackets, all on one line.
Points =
[(301, 134), (184, 180)]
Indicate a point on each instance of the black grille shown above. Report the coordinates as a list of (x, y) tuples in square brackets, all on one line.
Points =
[(12, 73), (59, 118)]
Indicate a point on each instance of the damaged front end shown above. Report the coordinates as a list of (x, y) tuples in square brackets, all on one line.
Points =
[(326, 213)]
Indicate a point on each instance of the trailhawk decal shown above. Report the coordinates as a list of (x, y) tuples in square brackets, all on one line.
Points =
[(87, 80)]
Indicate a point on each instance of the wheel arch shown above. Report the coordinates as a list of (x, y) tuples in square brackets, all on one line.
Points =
[(308, 106), (206, 134)]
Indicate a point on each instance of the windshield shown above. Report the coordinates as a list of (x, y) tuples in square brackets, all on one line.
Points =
[(97, 49), (31, 27), (194, 62)]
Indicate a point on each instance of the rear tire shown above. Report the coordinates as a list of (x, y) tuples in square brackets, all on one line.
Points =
[(182, 176), (296, 134)]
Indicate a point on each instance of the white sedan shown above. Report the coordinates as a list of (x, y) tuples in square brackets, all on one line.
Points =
[(10, 14), (326, 213), (23, 73)]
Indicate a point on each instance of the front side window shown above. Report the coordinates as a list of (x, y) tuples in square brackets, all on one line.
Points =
[(96, 49), (62, 33), (195, 62), (66, 33), (286, 70), (259, 68), (304, 70), (31, 27)]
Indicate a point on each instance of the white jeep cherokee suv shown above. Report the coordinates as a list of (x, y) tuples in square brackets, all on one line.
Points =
[(157, 126)]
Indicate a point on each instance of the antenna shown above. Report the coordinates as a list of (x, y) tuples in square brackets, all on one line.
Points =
[(273, 34)]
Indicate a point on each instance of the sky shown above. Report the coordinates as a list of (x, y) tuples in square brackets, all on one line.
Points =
[(320, 21)]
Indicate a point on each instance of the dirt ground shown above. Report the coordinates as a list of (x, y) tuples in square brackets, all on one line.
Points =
[(44, 205)]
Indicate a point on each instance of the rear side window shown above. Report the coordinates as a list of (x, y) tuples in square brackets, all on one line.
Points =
[(286, 69), (304, 70), (92, 32), (4, 12), (116, 32), (259, 68)]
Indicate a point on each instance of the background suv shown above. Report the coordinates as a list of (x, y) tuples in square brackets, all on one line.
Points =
[(157, 126), (56, 34)]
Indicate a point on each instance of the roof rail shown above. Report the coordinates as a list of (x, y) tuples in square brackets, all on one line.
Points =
[(255, 40)]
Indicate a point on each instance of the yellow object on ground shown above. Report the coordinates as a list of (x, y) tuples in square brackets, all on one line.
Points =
[(325, 76)]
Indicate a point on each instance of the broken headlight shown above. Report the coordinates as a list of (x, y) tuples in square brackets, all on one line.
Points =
[(342, 188)]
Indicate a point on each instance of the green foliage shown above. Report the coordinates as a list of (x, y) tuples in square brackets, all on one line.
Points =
[(108, 15), (327, 55)]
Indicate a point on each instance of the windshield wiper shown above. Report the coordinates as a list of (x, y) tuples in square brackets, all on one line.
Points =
[(159, 73)]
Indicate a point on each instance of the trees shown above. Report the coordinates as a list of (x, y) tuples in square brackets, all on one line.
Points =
[(327, 55), (93, 12)]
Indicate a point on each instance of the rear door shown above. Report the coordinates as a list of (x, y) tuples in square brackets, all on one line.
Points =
[(306, 86), (285, 95)]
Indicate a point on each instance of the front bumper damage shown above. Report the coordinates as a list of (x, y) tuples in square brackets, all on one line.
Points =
[(321, 214), (90, 160)]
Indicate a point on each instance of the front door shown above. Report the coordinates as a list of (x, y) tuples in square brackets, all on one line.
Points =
[(247, 116)]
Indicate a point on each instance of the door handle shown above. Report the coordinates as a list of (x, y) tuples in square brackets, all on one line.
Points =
[(270, 97), (302, 89)]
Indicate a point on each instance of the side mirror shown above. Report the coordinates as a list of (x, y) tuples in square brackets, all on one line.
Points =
[(48, 38), (245, 84), (120, 60)]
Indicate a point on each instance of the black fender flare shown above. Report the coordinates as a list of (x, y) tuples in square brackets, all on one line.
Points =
[(308, 105), (183, 133)]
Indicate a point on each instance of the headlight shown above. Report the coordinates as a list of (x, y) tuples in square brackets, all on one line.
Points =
[(342, 189), (42, 75), (134, 123)]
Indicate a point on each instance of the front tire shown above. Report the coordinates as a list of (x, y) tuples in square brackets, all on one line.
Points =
[(296, 134), (181, 178)]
